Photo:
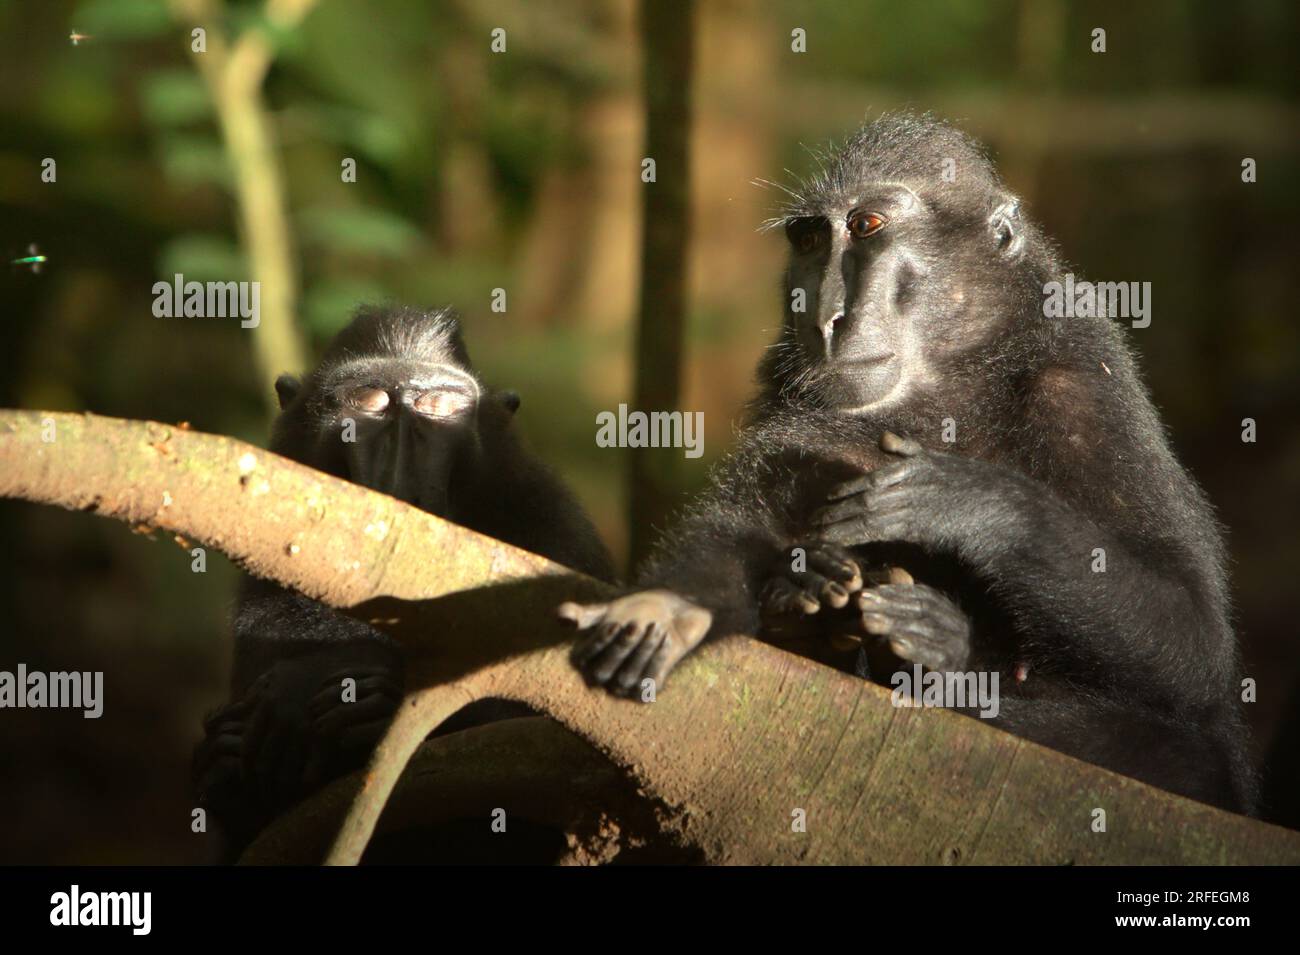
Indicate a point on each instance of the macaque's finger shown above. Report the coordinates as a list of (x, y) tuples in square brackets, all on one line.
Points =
[(835, 564), (581, 616), (905, 447), (896, 604), (231, 712), (880, 576), (220, 772), (832, 593), (629, 674), (692, 625), (595, 643), (781, 597), (661, 664), (275, 757), (630, 636), (856, 531), (877, 624), (332, 693), (850, 488), (845, 509), (844, 640), (902, 647), (343, 714), (819, 590)]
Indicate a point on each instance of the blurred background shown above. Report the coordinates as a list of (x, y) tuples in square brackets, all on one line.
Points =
[(521, 170)]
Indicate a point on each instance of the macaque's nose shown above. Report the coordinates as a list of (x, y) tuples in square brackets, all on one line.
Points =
[(828, 328)]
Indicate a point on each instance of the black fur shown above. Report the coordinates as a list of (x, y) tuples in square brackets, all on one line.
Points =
[(1058, 451), (286, 730)]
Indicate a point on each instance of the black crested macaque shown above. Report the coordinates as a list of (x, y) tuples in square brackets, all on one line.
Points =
[(923, 307), (394, 405)]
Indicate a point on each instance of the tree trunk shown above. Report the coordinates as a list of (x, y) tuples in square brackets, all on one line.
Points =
[(668, 35)]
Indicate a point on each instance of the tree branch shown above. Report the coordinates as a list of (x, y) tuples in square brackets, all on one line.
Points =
[(233, 74), (745, 734)]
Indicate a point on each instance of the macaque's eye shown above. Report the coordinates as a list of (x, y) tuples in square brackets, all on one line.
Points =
[(806, 234), (367, 399), (863, 224), (443, 404)]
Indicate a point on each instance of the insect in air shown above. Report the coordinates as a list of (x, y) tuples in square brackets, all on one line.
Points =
[(33, 260), (76, 37)]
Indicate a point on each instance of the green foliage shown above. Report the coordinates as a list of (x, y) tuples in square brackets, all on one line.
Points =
[(283, 41), (76, 104), (359, 230), (174, 97), (202, 257), (940, 42), (194, 159), (123, 19), (375, 136), (329, 303)]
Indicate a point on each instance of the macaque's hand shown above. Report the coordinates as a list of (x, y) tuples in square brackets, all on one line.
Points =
[(638, 637), (828, 577), (921, 624)]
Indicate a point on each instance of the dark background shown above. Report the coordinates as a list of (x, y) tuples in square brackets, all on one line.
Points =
[(520, 171)]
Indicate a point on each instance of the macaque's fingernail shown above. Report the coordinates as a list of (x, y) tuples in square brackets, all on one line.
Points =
[(845, 641), (875, 623)]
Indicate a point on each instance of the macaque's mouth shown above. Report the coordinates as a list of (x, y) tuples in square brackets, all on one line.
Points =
[(849, 364), (869, 359)]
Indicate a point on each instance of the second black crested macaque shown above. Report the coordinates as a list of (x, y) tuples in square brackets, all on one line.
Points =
[(918, 411), (394, 405)]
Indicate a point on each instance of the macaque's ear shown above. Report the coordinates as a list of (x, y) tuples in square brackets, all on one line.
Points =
[(1005, 225), (286, 389), (510, 399)]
